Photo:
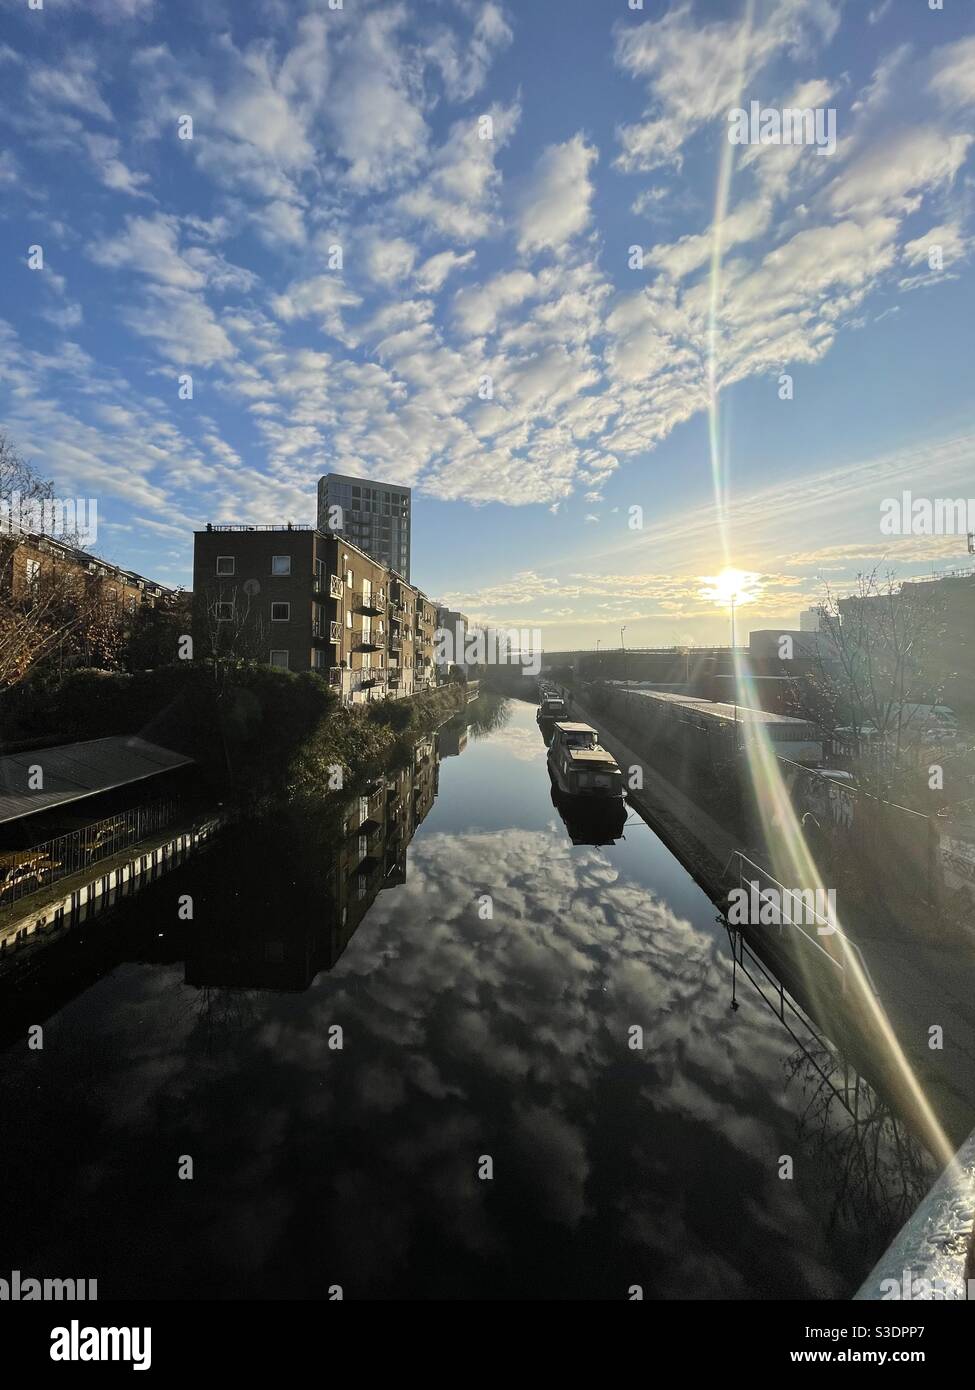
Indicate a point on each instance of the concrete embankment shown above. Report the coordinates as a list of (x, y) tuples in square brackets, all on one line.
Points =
[(915, 984)]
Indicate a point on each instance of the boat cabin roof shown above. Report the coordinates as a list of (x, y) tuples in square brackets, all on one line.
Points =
[(569, 728)]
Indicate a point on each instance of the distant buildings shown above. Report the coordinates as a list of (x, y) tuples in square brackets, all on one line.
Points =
[(374, 516), (453, 652), (31, 561), (936, 614), (784, 643), (300, 599)]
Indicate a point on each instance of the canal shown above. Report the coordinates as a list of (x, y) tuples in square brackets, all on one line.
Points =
[(459, 1056)]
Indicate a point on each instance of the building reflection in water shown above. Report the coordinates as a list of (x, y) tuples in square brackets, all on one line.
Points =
[(274, 902), (301, 889)]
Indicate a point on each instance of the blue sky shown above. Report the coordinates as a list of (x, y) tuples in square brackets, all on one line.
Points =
[(505, 257)]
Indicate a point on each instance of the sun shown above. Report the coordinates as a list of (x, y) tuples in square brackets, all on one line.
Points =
[(730, 585)]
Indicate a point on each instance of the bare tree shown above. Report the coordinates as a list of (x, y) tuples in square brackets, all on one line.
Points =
[(874, 669), (231, 625)]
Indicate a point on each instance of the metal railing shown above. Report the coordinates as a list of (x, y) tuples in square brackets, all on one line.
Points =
[(26, 871), (240, 526), (832, 931)]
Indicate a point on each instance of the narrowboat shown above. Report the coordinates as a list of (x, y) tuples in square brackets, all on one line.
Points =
[(579, 766)]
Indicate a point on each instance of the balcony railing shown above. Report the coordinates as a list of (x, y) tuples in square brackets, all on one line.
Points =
[(335, 586), (238, 526), (26, 871), (335, 632)]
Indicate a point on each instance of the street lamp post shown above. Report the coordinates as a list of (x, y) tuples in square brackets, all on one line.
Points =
[(623, 649), (734, 666)]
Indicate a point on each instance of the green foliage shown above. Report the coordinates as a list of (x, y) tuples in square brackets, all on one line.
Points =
[(263, 736)]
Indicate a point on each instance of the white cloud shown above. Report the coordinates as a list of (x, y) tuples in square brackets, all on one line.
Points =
[(433, 273), (464, 62), (697, 71), (322, 297), (149, 245), (375, 104), (113, 173), (892, 174), (71, 83), (181, 324), (555, 204), (477, 308), (953, 76), (390, 260), (458, 195)]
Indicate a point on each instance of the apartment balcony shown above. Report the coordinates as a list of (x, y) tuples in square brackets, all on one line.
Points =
[(394, 642), (369, 605), (335, 586), (335, 632), (365, 644)]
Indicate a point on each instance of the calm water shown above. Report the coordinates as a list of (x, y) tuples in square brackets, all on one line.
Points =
[(464, 1036)]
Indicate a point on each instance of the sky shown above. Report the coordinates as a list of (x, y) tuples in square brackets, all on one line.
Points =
[(401, 243)]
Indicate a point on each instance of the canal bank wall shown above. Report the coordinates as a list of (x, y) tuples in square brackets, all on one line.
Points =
[(912, 979), (933, 1256)]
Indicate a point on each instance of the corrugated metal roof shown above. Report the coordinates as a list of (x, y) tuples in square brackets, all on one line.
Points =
[(71, 771), (724, 711)]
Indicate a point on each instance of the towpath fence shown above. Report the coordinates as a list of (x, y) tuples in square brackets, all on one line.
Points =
[(26, 871), (813, 934), (900, 846)]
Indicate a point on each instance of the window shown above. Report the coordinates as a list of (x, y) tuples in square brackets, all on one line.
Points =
[(280, 659), (225, 564), (580, 739), (348, 617), (280, 564), (349, 577), (225, 611), (280, 612), (32, 572)]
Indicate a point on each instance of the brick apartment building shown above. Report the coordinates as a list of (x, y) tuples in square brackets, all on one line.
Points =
[(300, 599), (29, 562)]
